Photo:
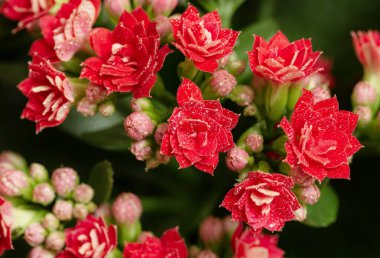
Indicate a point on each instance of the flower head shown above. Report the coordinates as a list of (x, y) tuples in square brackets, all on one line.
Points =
[(198, 129), (202, 39), (5, 226), (367, 48)]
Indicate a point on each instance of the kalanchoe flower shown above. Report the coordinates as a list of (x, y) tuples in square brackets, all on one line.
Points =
[(367, 45), (142, 149), (309, 194), (127, 208), (320, 139), (198, 129), (35, 234), (64, 181), (49, 92), (5, 225), (255, 142), (202, 39), (262, 200), (129, 57), (247, 244), (89, 238), (282, 62), (170, 245), (12, 182), (86, 107)]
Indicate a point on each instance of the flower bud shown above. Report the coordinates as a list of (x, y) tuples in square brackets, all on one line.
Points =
[(91, 207), (321, 93), (236, 67), (63, 210), (187, 69), (242, 94), (86, 107), (364, 113), (64, 181), (83, 193), (107, 109), (207, 254), (141, 104), (55, 241), (211, 231), (43, 193), (116, 7), (80, 211), (237, 159), (142, 150), (13, 182), (163, 7), (301, 213), (255, 142), (127, 208), (160, 131), (163, 26), (40, 252), (14, 159), (138, 125), (310, 194), (96, 93), (194, 251), (104, 211), (50, 222), (364, 94), (38, 172), (35, 234), (221, 83), (230, 225)]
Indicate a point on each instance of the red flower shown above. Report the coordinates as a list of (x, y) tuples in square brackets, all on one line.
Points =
[(262, 200), (170, 245), (281, 61), (320, 139), (89, 238), (27, 12), (49, 92), (69, 29), (198, 129), (202, 39), (367, 45), (128, 57), (5, 226), (246, 244)]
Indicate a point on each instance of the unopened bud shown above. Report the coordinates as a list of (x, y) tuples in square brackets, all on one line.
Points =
[(40, 252), (80, 211), (194, 251), (138, 125), (364, 113), (142, 149), (163, 7), (301, 213), (96, 93), (141, 104), (43, 193), (116, 7), (64, 181), (211, 231), (242, 94), (127, 208), (207, 254), (103, 211), (310, 194), (107, 109), (35, 234), (237, 159), (14, 159), (160, 131), (38, 172), (83, 193), (222, 83), (144, 236), (321, 93), (364, 94), (230, 225), (163, 26), (63, 210), (13, 182), (255, 142), (86, 107), (55, 241), (50, 222), (236, 67)]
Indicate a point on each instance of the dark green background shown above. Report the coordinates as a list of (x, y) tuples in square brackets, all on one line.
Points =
[(328, 23)]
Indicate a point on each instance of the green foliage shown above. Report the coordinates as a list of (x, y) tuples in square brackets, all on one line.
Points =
[(101, 179)]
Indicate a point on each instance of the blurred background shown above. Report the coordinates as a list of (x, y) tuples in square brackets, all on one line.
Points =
[(328, 23)]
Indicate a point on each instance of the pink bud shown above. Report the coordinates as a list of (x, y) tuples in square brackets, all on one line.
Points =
[(321, 93), (207, 254), (50, 222), (35, 234), (163, 26), (163, 7), (95, 93), (127, 208), (364, 94), (211, 230), (364, 113), (38, 172), (117, 7), (144, 235), (55, 241), (243, 95), (63, 210), (80, 211), (237, 67), (83, 193), (141, 104), (138, 125), (222, 83), (230, 225), (301, 178), (86, 107), (12, 182), (255, 142), (14, 159), (104, 211), (43, 193), (107, 109), (40, 252), (142, 149), (301, 213), (64, 181), (160, 131), (237, 159), (310, 194)]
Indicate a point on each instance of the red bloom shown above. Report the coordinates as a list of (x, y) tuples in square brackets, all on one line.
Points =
[(262, 200), (128, 57), (246, 244), (198, 129), (49, 92), (27, 12), (5, 226), (281, 61), (202, 39), (367, 45), (89, 238), (320, 139), (170, 245)]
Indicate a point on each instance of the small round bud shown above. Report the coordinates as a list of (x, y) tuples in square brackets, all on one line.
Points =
[(364, 113), (211, 230), (127, 208), (230, 225), (222, 83), (142, 149), (40, 252), (86, 107), (103, 211), (138, 125), (50, 222), (107, 109), (15, 160), (364, 94), (163, 7), (38, 172), (243, 95), (237, 159), (64, 181), (237, 67), (55, 241), (160, 131), (43, 193), (12, 182), (144, 235), (310, 194), (321, 93), (207, 254), (96, 93), (141, 104), (163, 26), (63, 210), (301, 213), (255, 142), (116, 7), (83, 193), (80, 211), (194, 251), (35, 234)]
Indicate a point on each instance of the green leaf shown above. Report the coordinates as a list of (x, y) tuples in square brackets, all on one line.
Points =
[(325, 211), (101, 179)]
